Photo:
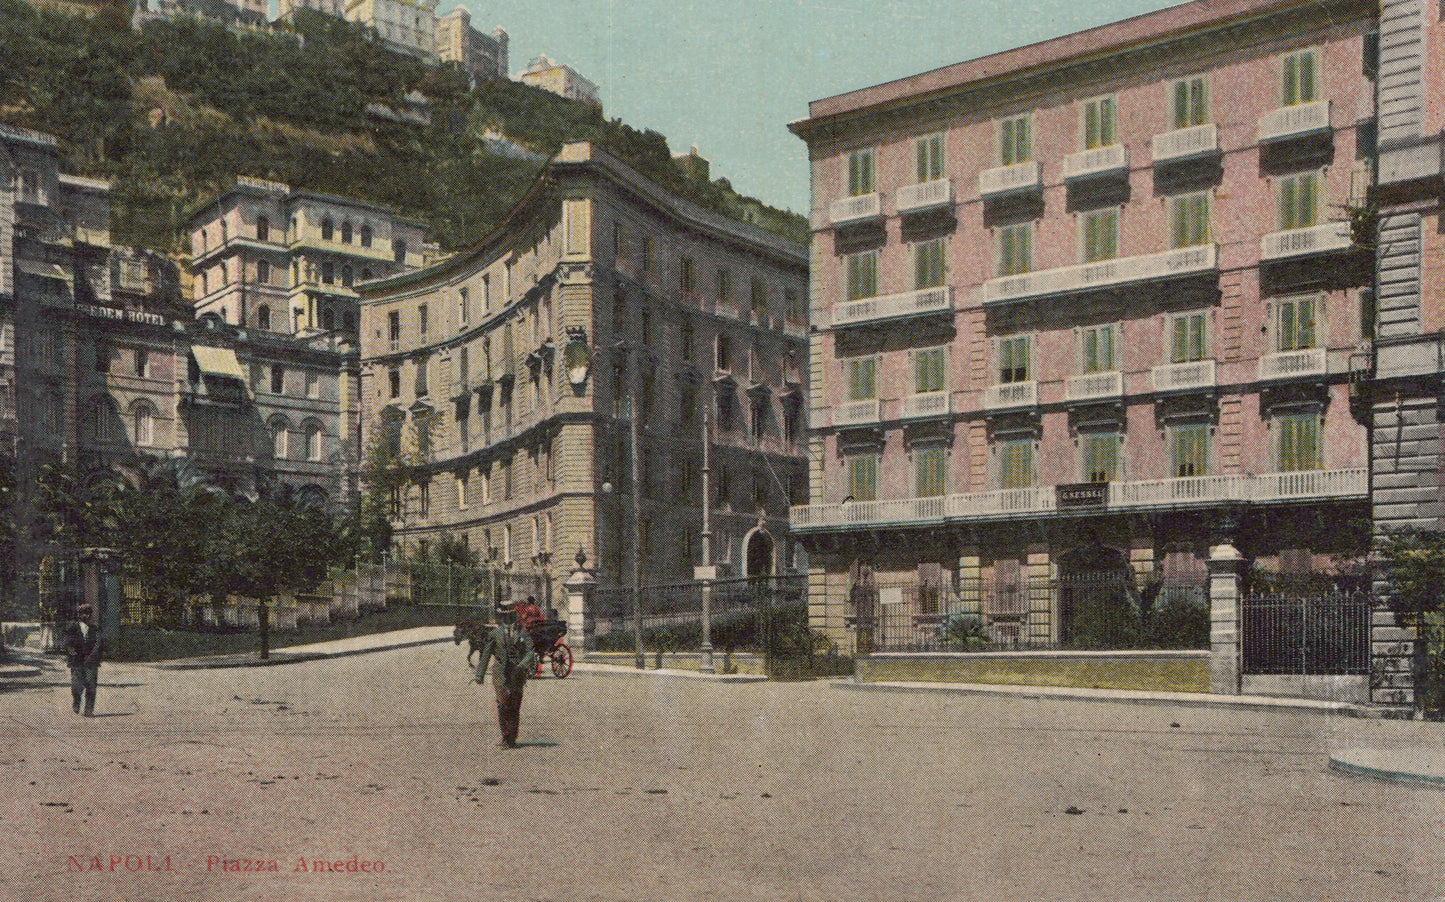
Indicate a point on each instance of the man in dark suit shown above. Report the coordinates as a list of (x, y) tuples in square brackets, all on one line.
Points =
[(515, 662), (83, 650)]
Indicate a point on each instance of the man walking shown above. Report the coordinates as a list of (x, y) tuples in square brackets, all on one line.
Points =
[(83, 650), (515, 660)]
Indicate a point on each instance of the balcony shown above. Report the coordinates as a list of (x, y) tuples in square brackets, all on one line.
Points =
[(794, 329), (1095, 387), (1191, 376), (924, 196), (856, 413), (1101, 161), (1303, 364), (926, 405), (1002, 180), (1010, 395), (1195, 491), (1321, 239), (893, 306), (1184, 261), (1295, 121), (1185, 143), (855, 209)]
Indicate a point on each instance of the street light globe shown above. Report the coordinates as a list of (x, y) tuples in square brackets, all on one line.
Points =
[(607, 488)]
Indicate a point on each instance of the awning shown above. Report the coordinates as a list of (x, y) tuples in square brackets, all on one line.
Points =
[(218, 362), (41, 269)]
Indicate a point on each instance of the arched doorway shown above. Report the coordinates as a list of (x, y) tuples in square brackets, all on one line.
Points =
[(759, 559), (1098, 605)]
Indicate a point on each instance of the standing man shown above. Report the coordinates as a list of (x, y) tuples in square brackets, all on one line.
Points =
[(83, 649), (515, 660)]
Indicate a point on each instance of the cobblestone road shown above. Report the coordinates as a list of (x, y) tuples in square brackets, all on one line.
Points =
[(646, 789)]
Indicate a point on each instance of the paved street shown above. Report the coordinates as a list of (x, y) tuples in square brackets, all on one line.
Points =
[(626, 790)]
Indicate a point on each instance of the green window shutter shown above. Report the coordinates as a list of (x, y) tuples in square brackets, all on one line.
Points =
[(1024, 152), (1091, 351), (1106, 349), (1306, 77), (1006, 142), (1006, 252), (1016, 465), (1092, 125), (1198, 115), (1023, 249), (867, 173), (1287, 334), (1306, 323), (931, 481), (1101, 456), (1106, 122), (1181, 105), (1196, 336), (1306, 201), (1179, 229), (923, 160), (1179, 347), (863, 477), (1291, 80), (1199, 219), (939, 365), (1287, 210)]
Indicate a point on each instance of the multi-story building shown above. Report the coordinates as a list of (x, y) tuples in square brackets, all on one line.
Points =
[(1090, 307), (274, 259), (406, 26), (513, 372), (286, 9), (482, 56), (242, 14), (560, 78)]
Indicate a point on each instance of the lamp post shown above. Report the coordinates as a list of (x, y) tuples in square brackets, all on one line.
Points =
[(705, 573)]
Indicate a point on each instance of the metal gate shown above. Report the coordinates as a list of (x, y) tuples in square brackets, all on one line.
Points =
[(1318, 634)]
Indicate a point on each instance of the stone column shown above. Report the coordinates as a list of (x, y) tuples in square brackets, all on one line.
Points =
[(1226, 572), (970, 580), (1043, 626), (579, 587)]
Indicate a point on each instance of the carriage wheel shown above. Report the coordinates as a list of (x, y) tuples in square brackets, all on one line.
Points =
[(561, 660)]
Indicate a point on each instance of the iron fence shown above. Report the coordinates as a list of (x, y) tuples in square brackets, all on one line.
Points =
[(1319, 634)]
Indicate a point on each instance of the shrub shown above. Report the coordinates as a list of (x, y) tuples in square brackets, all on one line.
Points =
[(965, 630)]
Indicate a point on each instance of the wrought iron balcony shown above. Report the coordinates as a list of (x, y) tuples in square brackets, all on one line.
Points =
[(1010, 395), (1095, 387), (892, 306), (1326, 238), (926, 404), (924, 196), (855, 209), (1295, 121), (1002, 180), (1185, 143), (1302, 364), (1191, 376), (1101, 161), (1183, 261)]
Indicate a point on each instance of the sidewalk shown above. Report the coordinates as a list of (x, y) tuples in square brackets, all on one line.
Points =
[(338, 648)]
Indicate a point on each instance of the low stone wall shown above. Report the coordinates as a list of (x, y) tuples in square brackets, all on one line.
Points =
[(742, 663), (1155, 671)]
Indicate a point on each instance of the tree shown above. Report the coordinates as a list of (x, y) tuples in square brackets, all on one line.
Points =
[(1412, 561)]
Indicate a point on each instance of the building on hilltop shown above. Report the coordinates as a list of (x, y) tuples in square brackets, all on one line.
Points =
[(560, 78), (1089, 312), (513, 370), (240, 14), (286, 9), (275, 259), (406, 26), (481, 55)]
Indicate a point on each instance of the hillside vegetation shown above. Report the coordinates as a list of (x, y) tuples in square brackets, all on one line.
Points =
[(171, 115)]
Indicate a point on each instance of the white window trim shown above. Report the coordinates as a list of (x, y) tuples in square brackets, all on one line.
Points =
[(1170, 87), (1083, 131), (1119, 434), (913, 461), (1318, 53), (995, 455), (1169, 319), (943, 147), (848, 366), (915, 353), (997, 354), (1171, 204), (1081, 232), (1172, 447), (998, 137), (1079, 332), (847, 159), (1031, 226), (1272, 312)]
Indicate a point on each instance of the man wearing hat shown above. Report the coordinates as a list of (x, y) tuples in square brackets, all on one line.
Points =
[(515, 660), (83, 649)]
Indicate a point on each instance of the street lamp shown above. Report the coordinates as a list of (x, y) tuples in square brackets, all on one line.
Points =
[(705, 574)]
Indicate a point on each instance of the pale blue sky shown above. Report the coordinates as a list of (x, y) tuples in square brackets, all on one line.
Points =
[(730, 75)]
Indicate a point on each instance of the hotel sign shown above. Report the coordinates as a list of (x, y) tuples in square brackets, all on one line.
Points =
[(1082, 494)]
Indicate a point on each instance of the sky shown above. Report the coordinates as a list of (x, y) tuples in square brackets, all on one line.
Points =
[(729, 75)]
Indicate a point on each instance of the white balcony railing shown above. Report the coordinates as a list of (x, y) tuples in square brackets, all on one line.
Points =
[(1096, 162), (924, 196), (1183, 143), (794, 329), (927, 404), (856, 413), (1293, 364), (892, 306), (1182, 261), (1321, 239), (1303, 485), (1008, 179), (818, 418), (855, 209), (1184, 376), (1294, 121), (1011, 394), (1095, 386)]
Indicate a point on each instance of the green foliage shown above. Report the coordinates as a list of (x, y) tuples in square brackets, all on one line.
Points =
[(293, 107), (964, 630), (1412, 561), (1177, 623)]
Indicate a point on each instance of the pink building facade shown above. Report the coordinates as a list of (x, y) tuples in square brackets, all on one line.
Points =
[(1085, 310)]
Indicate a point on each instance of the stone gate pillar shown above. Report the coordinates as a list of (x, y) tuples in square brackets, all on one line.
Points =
[(1226, 572), (579, 587)]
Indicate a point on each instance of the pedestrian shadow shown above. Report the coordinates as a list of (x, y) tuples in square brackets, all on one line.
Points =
[(114, 714), (537, 743)]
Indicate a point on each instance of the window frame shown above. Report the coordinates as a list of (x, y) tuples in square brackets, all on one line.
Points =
[(1191, 114), (1199, 450), (930, 470), (1105, 109), (860, 475), (856, 387), (1094, 440), (860, 171), (1281, 420), (933, 254), (1090, 235), (1277, 308), (1183, 215), (931, 156), (1007, 139), (1006, 249), (1005, 444), (928, 369), (1291, 86), (1315, 179), (858, 277), (1082, 337), (1011, 375), (1206, 316)]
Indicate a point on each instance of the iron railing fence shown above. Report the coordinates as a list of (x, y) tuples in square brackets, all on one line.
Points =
[(760, 614), (1320, 634)]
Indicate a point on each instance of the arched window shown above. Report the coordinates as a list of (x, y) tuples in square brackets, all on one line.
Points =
[(346, 233), (100, 409), (263, 271), (347, 278), (263, 318), (328, 273), (366, 236), (313, 441), (328, 229), (143, 424), (263, 229), (279, 431), (328, 319)]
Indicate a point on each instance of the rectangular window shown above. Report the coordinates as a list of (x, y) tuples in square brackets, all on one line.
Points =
[(393, 382), (1014, 140), (647, 255), (464, 431), (1096, 349), (862, 275), (930, 370), (863, 477), (142, 361), (1100, 452), (393, 327), (1013, 359), (1016, 463), (1099, 120), (1015, 249), (930, 472), (724, 285), (793, 309), (860, 172), (930, 158), (1191, 450), (1190, 104), (758, 299), (1101, 235), (463, 302), (1295, 322), (929, 269), (421, 319), (687, 275), (423, 383), (1299, 441), (1189, 220), (1300, 78), (1299, 201), (462, 491), (1187, 337), (861, 374), (278, 380)]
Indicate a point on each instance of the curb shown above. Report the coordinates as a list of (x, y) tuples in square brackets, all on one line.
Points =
[(1129, 697), (1368, 763), (665, 673), (281, 656)]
